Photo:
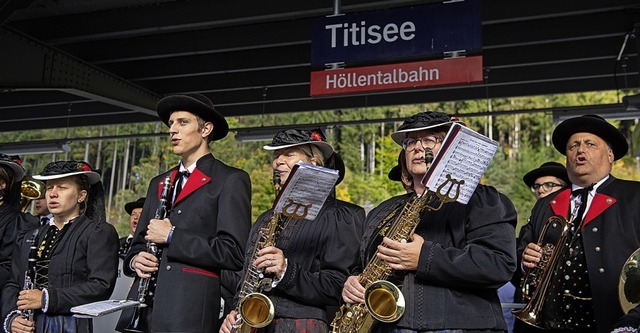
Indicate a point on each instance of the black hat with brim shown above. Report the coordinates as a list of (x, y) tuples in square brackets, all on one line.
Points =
[(130, 206), (13, 163), (554, 169), (395, 173), (295, 137), (420, 122), (61, 169), (197, 104), (593, 124)]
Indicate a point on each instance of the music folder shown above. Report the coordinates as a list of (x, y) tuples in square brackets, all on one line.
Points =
[(101, 308), (464, 155)]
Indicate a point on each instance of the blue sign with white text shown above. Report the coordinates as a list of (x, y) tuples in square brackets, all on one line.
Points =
[(419, 32)]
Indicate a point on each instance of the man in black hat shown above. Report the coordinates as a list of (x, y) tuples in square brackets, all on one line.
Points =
[(458, 256), (207, 226), (603, 232), (548, 178), (134, 209)]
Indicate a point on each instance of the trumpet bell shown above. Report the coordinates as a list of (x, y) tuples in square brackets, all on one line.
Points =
[(257, 310), (629, 283), (30, 189), (384, 301)]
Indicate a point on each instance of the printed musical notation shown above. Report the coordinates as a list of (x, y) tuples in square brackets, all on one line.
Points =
[(305, 191), (465, 155)]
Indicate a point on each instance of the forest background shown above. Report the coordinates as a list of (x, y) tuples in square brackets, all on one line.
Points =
[(143, 150)]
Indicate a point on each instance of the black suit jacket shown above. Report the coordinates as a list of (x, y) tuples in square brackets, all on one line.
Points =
[(212, 219), (610, 233)]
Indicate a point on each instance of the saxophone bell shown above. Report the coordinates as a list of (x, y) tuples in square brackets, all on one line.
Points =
[(256, 310), (385, 301)]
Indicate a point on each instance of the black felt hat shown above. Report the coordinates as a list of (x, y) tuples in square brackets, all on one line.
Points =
[(594, 124), (554, 169), (335, 162), (197, 104), (295, 137), (421, 121), (395, 173), (15, 164), (130, 206), (61, 169)]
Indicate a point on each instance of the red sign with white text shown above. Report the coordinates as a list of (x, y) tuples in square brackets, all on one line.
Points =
[(397, 76)]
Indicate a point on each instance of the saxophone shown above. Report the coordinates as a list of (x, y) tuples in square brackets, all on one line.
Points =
[(384, 301), (255, 309), (146, 287)]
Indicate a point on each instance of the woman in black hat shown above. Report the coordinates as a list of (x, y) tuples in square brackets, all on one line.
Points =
[(10, 217), (311, 259), (76, 260), (458, 256)]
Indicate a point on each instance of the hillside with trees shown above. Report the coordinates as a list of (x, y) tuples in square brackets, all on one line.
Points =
[(130, 155)]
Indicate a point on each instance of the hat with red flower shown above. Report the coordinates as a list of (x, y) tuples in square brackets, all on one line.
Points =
[(296, 137), (61, 169), (15, 164)]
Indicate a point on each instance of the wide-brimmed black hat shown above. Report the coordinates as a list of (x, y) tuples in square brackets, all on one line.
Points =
[(61, 169), (15, 164), (197, 104), (594, 124), (421, 121), (395, 173), (336, 162), (554, 169), (130, 206), (295, 137)]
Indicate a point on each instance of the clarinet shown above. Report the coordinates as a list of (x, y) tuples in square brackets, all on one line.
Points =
[(30, 274), (146, 287)]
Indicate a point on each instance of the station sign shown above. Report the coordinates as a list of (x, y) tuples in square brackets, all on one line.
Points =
[(400, 34), (462, 70)]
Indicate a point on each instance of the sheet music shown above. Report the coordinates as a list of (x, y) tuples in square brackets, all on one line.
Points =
[(305, 191), (101, 308), (465, 155)]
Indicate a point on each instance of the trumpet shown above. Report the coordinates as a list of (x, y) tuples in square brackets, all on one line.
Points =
[(146, 287), (30, 189), (537, 280)]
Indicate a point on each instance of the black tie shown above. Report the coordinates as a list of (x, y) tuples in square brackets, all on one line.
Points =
[(44, 220), (583, 193), (179, 179)]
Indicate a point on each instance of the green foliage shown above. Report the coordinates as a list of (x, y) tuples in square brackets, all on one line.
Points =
[(366, 148)]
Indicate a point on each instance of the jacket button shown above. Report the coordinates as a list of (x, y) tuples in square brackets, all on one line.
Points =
[(594, 229), (179, 212), (601, 270), (168, 267), (597, 249)]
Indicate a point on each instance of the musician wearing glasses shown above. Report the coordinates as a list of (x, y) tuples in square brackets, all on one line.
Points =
[(593, 227), (548, 178), (459, 255), (208, 222), (310, 259)]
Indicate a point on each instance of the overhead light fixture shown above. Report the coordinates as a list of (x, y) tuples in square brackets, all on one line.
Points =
[(630, 109), (34, 147)]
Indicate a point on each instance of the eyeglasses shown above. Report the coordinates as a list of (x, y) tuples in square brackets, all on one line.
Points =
[(545, 186), (426, 142)]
